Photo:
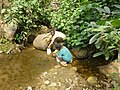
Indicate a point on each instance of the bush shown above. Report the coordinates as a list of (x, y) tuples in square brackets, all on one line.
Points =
[(106, 40), (77, 19), (27, 14)]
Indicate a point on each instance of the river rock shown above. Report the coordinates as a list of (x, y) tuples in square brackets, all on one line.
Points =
[(40, 42), (92, 80), (47, 82)]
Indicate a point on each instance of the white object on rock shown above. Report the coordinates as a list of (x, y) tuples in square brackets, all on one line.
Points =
[(29, 88), (48, 51)]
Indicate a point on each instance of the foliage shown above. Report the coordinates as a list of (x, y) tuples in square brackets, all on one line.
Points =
[(78, 20), (72, 18), (4, 44), (115, 78), (106, 40), (27, 14)]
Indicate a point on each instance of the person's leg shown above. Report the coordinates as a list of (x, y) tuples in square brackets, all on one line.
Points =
[(64, 63), (58, 59), (61, 61)]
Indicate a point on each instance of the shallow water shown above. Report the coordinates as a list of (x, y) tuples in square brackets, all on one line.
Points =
[(22, 69), (18, 71), (89, 67)]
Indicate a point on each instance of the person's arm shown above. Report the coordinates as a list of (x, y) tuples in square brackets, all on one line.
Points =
[(49, 46), (52, 41)]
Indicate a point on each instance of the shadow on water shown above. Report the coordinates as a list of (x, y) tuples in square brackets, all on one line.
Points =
[(22, 69), (89, 67)]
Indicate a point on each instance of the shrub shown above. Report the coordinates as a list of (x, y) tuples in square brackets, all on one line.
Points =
[(78, 20), (28, 15), (106, 40)]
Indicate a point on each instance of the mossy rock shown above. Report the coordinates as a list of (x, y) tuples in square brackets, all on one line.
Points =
[(85, 52)]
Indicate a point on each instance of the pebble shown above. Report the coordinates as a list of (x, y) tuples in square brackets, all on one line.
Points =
[(1, 52), (92, 80), (47, 82), (44, 73), (55, 73), (59, 83), (68, 88), (53, 84), (29, 88)]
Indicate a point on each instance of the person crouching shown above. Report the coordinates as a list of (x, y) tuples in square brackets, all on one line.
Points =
[(63, 55)]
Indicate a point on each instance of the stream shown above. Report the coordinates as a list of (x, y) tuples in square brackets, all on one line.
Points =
[(20, 70)]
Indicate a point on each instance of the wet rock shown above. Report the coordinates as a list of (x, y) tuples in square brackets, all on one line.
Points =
[(92, 80)]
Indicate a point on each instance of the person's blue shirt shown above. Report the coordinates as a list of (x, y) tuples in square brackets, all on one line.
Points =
[(65, 54)]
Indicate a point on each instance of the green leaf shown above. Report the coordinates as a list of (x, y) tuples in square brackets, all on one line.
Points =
[(98, 54), (107, 56), (117, 6), (93, 39), (101, 9), (62, 24), (116, 22), (3, 11), (107, 9)]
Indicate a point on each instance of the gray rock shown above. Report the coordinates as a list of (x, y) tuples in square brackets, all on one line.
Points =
[(10, 30), (83, 52)]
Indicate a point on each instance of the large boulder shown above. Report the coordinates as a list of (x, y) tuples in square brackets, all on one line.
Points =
[(41, 42), (85, 52), (111, 70)]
